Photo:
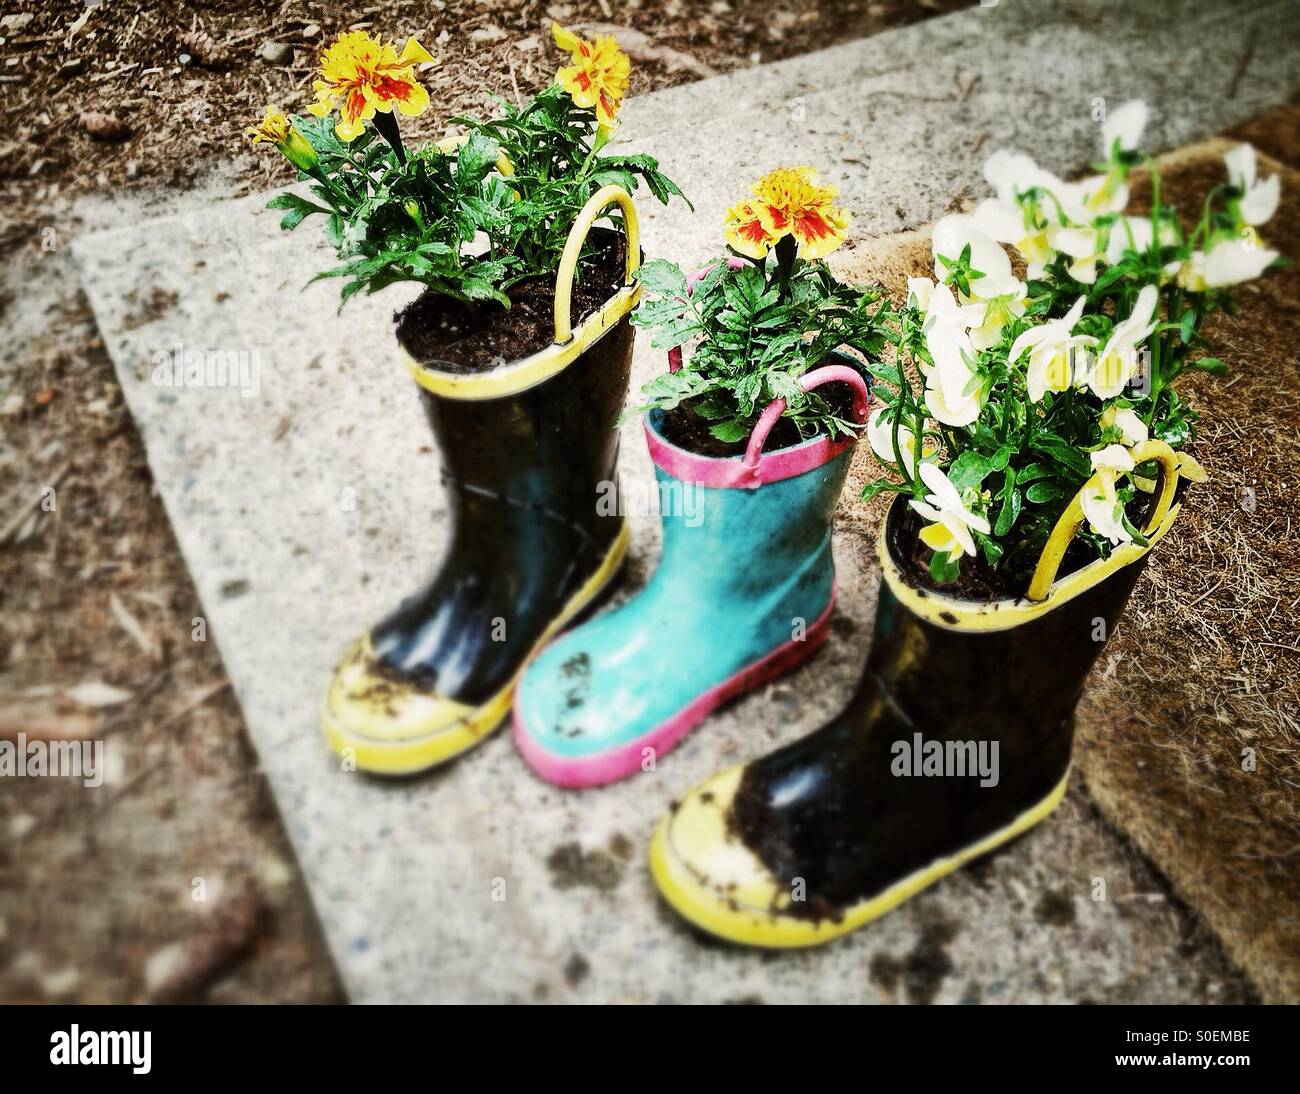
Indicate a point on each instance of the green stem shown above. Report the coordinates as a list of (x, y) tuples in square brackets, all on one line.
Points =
[(602, 139)]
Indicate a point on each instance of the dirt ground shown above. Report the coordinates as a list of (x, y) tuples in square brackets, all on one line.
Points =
[(175, 880)]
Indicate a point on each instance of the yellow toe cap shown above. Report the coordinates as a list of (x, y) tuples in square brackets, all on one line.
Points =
[(389, 725)]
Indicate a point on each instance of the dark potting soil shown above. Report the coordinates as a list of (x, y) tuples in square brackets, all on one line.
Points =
[(685, 428), (977, 580), (441, 332)]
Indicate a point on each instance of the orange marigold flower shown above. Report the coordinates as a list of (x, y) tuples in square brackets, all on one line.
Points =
[(748, 231), (598, 78), (791, 202), (362, 75)]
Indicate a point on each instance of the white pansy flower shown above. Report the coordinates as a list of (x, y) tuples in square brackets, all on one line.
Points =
[(1125, 125), (1191, 274), (1006, 223), (988, 317), (1234, 260), (1131, 234), (1094, 196), (1131, 427), (1013, 173), (919, 292), (951, 393), (957, 231), (1260, 197), (1001, 221), (1051, 349), (942, 309), (948, 385), (952, 521), (1100, 504), (959, 411), (1117, 362), (880, 435), (1082, 245)]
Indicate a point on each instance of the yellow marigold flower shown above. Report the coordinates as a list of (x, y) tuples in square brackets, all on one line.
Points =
[(277, 129), (362, 75), (793, 203), (747, 229), (273, 127), (598, 77)]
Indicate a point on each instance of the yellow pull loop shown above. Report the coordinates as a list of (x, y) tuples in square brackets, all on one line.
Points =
[(596, 205), (1072, 519)]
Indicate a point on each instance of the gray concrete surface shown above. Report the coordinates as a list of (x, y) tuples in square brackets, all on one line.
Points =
[(307, 510)]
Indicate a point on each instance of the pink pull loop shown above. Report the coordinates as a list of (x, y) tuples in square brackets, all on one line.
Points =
[(825, 375)]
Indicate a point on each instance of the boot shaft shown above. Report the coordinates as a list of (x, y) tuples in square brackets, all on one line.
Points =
[(552, 447), (966, 678), (970, 675), (741, 531)]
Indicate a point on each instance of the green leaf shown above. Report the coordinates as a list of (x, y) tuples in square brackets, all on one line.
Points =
[(477, 156), (943, 569), (1033, 471), (969, 470), (880, 486), (1042, 492), (734, 430), (1008, 513), (298, 209), (663, 278), (992, 548), (675, 333), (889, 373), (1211, 365)]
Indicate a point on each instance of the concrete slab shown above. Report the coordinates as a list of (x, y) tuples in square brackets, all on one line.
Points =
[(308, 508)]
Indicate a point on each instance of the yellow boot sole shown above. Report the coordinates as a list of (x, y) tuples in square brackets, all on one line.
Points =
[(388, 727)]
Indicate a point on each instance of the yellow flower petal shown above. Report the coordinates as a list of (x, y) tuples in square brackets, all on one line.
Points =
[(413, 53), (748, 230), (361, 75), (599, 76), (565, 39), (939, 538), (790, 201), (417, 102)]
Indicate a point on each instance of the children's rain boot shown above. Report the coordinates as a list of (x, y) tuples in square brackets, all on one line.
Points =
[(743, 593), (527, 451), (957, 740)]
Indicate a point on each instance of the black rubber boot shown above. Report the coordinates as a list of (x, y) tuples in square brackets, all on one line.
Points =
[(530, 548), (956, 740)]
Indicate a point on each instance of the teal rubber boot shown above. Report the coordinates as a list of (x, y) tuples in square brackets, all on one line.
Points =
[(742, 595)]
